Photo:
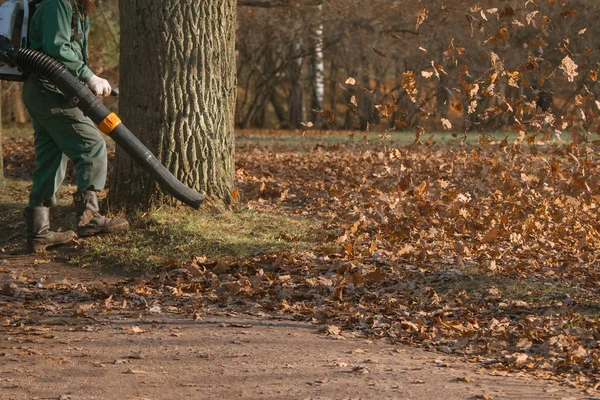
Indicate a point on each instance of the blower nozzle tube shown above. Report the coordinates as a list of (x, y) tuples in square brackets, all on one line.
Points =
[(42, 66)]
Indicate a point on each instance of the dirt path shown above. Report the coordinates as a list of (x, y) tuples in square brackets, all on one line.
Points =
[(216, 356)]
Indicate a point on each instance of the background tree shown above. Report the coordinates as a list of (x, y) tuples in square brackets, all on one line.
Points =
[(178, 90), (441, 49), (444, 46), (317, 64)]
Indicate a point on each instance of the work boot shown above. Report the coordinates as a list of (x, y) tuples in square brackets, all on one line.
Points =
[(89, 220), (39, 235)]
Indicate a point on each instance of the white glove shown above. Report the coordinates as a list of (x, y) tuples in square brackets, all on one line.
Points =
[(99, 86)]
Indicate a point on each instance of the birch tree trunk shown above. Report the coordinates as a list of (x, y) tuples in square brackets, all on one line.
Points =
[(178, 88), (318, 66)]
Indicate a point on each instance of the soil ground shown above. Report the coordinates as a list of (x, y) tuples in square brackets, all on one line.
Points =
[(219, 355)]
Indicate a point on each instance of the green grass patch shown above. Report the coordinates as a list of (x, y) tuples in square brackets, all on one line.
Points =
[(299, 139), (308, 140), (163, 237), (477, 283), (171, 236)]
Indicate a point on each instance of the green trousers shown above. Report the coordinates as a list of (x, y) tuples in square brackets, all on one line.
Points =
[(61, 131)]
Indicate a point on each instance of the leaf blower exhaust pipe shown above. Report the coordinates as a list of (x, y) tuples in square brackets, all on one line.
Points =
[(41, 66)]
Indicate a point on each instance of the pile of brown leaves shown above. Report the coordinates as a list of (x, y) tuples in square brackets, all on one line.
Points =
[(486, 252)]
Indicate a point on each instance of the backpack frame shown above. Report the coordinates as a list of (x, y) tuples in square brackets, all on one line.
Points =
[(15, 16)]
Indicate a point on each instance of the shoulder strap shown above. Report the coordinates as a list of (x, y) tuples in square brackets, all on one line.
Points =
[(75, 20), (32, 6)]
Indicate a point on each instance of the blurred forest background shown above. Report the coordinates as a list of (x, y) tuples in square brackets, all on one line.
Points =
[(398, 64)]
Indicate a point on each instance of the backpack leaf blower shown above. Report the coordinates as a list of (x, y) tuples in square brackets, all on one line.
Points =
[(21, 61)]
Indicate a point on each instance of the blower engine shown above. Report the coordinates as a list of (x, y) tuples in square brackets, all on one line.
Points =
[(14, 25)]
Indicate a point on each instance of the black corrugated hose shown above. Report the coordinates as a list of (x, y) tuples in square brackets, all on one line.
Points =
[(39, 65)]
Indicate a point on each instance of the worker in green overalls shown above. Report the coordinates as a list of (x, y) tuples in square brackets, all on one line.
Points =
[(59, 28)]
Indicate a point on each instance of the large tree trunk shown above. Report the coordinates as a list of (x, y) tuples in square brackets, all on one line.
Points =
[(178, 90)]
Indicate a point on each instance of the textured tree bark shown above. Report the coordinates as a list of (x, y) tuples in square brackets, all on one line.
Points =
[(178, 89)]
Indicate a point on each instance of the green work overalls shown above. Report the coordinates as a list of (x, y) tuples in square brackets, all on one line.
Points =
[(60, 129)]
